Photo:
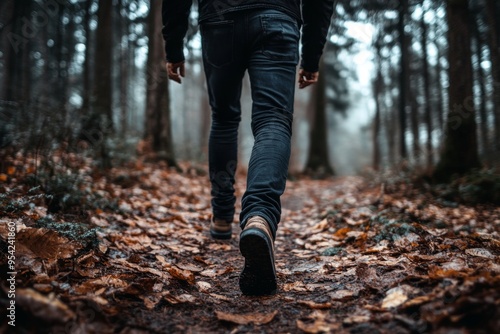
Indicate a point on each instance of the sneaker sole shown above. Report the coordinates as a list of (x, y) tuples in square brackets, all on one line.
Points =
[(220, 235), (258, 276)]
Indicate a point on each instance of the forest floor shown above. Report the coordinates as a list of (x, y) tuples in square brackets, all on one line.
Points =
[(354, 255)]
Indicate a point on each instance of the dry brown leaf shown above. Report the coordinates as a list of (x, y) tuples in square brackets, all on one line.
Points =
[(245, 319), (341, 294), (183, 275), (150, 302), (189, 267), (436, 272), (48, 308), (315, 323), (295, 286), (45, 243), (418, 300), (321, 226), (219, 246), (394, 298), (221, 297), (203, 286), (186, 298), (480, 252), (314, 305), (125, 263), (341, 233), (318, 326), (356, 319)]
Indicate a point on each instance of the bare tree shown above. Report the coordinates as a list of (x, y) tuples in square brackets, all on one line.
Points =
[(459, 153)]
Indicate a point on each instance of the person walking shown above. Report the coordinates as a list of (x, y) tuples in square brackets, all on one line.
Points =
[(261, 37)]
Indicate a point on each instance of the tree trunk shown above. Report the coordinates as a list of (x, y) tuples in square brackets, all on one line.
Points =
[(158, 124), (378, 100), (87, 85), (439, 88), (8, 9), (318, 163), (60, 48), (99, 124), (485, 145), (415, 122), (494, 45), (427, 94), (103, 62), (403, 78), (124, 66), (459, 153)]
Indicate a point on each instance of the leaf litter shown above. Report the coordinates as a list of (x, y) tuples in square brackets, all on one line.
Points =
[(352, 257)]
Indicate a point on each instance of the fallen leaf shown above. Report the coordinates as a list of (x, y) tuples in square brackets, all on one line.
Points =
[(313, 305), (245, 319), (418, 300), (480, 252), (341, 294), (356, 319), (203, 286), (48, 308), (221, 297), (183, 275), (341, 233), (45, 243), (189, 267), (315, 323), (394, 298), (321, 226), (186, 298), (140, 268)]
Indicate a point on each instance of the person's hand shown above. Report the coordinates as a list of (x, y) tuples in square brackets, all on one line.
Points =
[(307, 78), (175, 71)]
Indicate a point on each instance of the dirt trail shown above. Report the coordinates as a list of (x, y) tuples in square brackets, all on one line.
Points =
[(351, 258)]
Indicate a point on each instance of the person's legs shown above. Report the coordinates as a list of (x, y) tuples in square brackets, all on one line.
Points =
[(272, 66), (272, 70), (224, 71)]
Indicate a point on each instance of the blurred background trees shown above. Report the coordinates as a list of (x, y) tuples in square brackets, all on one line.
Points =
[(404, 83)]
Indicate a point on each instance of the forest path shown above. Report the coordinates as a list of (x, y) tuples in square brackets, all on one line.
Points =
[(352, 257)]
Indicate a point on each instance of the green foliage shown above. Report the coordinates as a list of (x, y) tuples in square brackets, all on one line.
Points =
[(72, 230), (391, 228), (67, 190), (331, 251), (480, 186), (10, 203)]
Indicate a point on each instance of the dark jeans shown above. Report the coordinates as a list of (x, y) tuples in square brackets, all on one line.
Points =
[(264, 42)]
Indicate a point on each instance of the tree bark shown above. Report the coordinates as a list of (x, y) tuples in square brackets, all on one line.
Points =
[(403, 78), (494, 46), (158, 123), (376, 121), (427, 94), (439, 88), (98, 125), (124, 45), (415, 121), (485, 145), (87, 74), (459, 153), (8, 8), (318, 163)]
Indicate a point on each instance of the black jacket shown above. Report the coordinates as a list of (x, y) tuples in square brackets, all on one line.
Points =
[(315, 18)]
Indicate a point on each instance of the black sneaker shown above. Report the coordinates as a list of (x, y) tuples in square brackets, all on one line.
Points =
[(220, 229), (257, 247)]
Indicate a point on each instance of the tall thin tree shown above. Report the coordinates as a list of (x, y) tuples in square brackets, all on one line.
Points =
[(459, 154), (158, 123)]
